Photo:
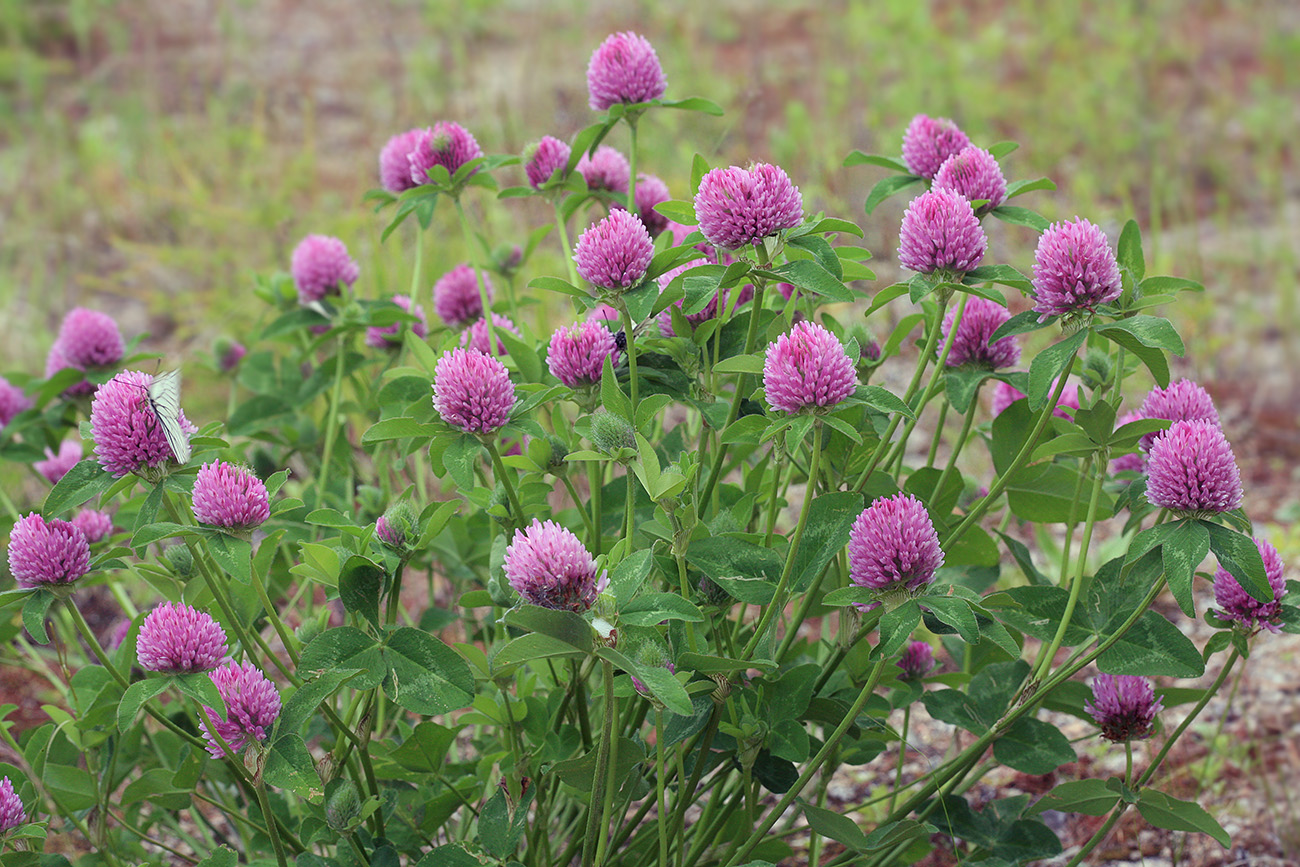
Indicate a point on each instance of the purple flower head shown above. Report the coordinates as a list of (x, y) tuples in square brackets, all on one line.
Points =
[(1236, 604), (395, 162), (56, 362), (870, 351), (807, 368), (12, 401), (544, 158), (548, 566), (624, 68), (230, 496), (55, 467), (90, 339), (974, 173), (252, 705), (94, 524), (1005, 394), (577, 353), (455, 296), (398, 527), (606, 169), (605, 313), (229, 354), (1183, 400), (737, 207), (127, 435), (1124, 706), (472, 391), (47, 552), (940, 232), (445, 144), (650, 191), (614, 253), (390, 336), (893, 545), (1133, 461), (929, 141), (12, 813), (1074, 269), (1191, 469), (971, 345), (177, 639), (321, 266), (917, 661), (476, 336)]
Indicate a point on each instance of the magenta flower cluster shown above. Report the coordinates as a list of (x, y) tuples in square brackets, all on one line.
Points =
[(549, 566), (893, 544), (12, 401), (929, 141), (577, 353), (445, 144), (739, 207), (1074, 269), (476, 336), (1183, 400), (624, 68), (127, 435), (472, 391), (87, 339), (650, 191), (93, 523), (1237, 605), (544, 158), (974, 173), (606, 169), (252, 706), (917, 661), (56, 466), (1124, 706), (807, 368), (979, 320), (12, 813), (395, 161), (1191, 470), (321, 266), (177, 639), (390, 336), (940, 232), (230, 496), (47, 552), (614, 254), (456, 298)]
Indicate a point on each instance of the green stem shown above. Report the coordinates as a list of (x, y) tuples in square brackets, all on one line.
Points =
[(597, 815), (418, 266), (933, 385), (628, 328), (778, 598), (966, 424), (902, 757), (938, 434), (331, 421), (631, 162), (271, 824), (566, 246), (517, 512), (286, 638), (662, 823), (595, 482), (582, 511), (1187, 721), (471, 243)]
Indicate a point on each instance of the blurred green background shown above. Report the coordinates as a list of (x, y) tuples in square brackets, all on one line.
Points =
[(156, 153)]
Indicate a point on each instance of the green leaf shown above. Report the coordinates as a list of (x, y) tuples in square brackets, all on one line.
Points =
[(461, 458), (1021, 323), (741, 364), (678, 212), (956, 613), (533, 647), (627, 577), (812, 276), (34, 611), (858, 158), (983, 704), (565, 626), (289, 765), (345, 648), (360, 584), (426, 676), (158, 787), (1129, 250), (1240, 556), (302, 705), (962, 384), (396, 429), (882, 399), (1090, 797), (611, 396), (1049, 364), (222, 856), (830, 518), (1183, 548), (650, 609), (1151, 331), (1163, 284), (234, 556), (85, 480), (1153, 647), (501, 823), (1033, 746), (836, 826), (1153, 358), (1020, 217), (1166, 811), (693, 103), (896, 627), (661, 682), (1019, 188), (887, 187), (555, 284), (425, 750), (199, 686), (1045, 494), (134, 698)]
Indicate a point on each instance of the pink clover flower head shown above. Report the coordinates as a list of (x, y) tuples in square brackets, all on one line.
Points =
[(12, 813), (577, 353), (128, 437), (917, 661), (1124, 706), (476, 336), (606, 169), (390, 336), (472, 391), (738, 207), (56, 466), (321, 266), (1133, 461), (650, 191), (229, 354), (252, 706), (1183, 400), (88, 338), (93, 523), (55, 361), (971, 344), (549, 566), (974, 173), (1074, 269), (605, 313), (456, 298), (624, 68), (398, 527), (177, 639), (893, 545), (395, 162), (544, 158), (929, 141), (1191, 470), (614, 254), (940, 232), (1005, 394), (807, 368), (47, 552), (230, 496), (445, 144), (12, 401), (1238, 605)]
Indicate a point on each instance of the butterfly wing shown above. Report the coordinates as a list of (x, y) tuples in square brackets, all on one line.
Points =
[(165, 400)]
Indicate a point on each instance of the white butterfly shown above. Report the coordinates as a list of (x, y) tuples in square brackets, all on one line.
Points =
[(165, 401)]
